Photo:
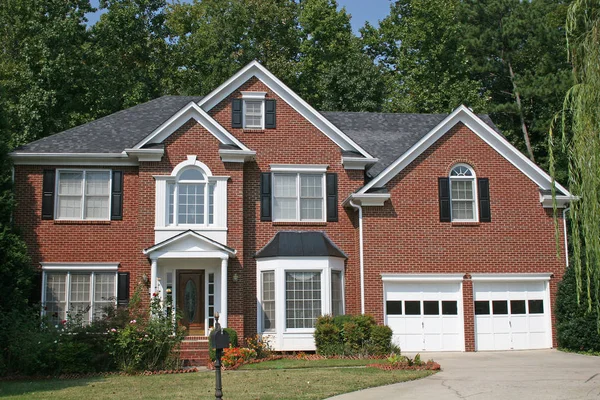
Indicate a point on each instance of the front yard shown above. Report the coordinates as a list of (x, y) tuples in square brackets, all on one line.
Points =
[(311, 381)]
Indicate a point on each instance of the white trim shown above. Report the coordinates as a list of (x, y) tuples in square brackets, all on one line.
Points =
[(368, 199), (357, 162), (191, 162), (474, 192), (83, 195), (511, 277), (361, 250), (224, 251), (191, 110), (236, 156), (74, 266), (298, 197), (286, 94), (481, 129), (561, 201), (262, 113), (422, 277), (151, 155), (300, 168), (254, 95), (68, 159)]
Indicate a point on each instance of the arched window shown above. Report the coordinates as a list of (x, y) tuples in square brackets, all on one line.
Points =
[(463, 193), (191, 198)]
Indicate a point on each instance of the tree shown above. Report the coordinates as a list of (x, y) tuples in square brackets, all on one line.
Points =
[(419, 46), (42, 67), (333, 72), (581, 138), (515, 48), (127, 55)]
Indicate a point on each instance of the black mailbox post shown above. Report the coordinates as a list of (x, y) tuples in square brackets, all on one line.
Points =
[(220, 341)]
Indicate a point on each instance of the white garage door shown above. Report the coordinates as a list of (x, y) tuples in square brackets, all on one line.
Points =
[(512, 315), (425, 316)]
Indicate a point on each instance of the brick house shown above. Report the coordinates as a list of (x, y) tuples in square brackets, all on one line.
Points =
[(250, 203)]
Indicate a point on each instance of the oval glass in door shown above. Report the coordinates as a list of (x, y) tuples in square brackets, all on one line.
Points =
[(190, 300)]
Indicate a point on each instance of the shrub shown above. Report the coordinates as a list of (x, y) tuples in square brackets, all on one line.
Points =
[(237, 355), (327, 336), (381, 340), (259, 345), (576, 327)]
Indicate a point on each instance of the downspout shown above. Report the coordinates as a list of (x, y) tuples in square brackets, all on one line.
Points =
[(361, 256), (565, 234)]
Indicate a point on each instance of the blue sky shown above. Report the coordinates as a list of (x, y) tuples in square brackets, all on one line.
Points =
[(361, 11)]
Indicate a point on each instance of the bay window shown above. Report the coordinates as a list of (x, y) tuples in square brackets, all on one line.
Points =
[(303, 299)]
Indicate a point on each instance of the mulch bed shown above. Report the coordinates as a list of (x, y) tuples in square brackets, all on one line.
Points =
[(94, 375)]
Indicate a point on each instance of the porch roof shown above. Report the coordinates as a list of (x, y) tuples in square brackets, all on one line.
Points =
[(188, 243)]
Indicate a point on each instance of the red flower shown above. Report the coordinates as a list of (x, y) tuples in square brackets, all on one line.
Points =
[(154, 294), (64, 321)]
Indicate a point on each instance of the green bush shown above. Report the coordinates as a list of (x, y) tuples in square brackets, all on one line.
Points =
[(381, 340), (357, 335), (327, 336), (233, 342), (577, 328)]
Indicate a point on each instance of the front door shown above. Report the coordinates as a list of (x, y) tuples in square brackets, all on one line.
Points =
[(190, 301)]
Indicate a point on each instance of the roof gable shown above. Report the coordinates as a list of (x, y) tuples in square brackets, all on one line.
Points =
[(254, 69), (187, 242), (481, 129)]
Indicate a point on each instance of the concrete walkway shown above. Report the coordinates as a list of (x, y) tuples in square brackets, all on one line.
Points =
[(535, 374)]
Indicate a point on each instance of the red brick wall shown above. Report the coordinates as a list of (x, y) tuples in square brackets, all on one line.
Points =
[(406, 235)]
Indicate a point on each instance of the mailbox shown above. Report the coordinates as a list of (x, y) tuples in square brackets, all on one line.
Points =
[(220, 339)]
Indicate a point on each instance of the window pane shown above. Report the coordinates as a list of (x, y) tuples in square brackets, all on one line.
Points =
[(536, 306), (431, 307), (192, 174), (311, 186), (284, 185), (191, 203), (462, 210), (517, 306), (337, 301), (284, 208), (303, 299), (461, 171), (449, 308), (412, 307), (311, 209), (500, 307), (253, 115), (96, 183), (211, 203), (55, 298), (70, 183), (462, 190), (104, 293), (80, 297), (393, 307), (482, 307), (96, 207), (171, 204), (69, 207), (268, 299)]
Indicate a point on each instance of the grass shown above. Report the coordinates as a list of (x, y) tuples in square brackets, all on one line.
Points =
[(288, 363), (301, 383)]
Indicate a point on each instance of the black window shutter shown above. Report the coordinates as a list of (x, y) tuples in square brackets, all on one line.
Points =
[(117, 196), (123, 289), (270, 114), (48, 194), (332, 197), (485, 214), (265, 197), (236, 113), (444, 192)]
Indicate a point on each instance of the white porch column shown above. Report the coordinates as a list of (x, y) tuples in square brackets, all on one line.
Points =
[(153, 275), (223, 313)]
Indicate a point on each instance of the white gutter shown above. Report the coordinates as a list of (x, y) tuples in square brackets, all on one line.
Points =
[(565, 234), (361, 257)]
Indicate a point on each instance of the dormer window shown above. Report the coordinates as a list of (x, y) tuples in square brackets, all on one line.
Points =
[(253, 111)]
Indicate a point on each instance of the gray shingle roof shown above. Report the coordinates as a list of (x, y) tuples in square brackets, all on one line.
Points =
[(385, 135), (300, 244), (113, 133)]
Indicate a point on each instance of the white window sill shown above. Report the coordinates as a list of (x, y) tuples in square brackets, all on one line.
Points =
[(190, 227)]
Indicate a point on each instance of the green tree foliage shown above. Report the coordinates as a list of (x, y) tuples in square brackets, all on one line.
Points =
[(581, 137), (516, 50), (419, 44), (42, 68), (127, 55)]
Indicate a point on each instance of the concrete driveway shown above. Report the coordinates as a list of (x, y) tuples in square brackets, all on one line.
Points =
[(535, 374)]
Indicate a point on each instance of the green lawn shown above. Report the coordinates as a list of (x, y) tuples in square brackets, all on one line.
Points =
[(288, 363), (303, 383)]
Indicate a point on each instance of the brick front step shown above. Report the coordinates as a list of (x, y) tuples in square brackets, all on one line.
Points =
[(194, 351)]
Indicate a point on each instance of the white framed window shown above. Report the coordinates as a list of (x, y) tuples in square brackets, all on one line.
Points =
[(190, 199), (298, 196), (83, 194), (268, 300), (253, 110), (337, 293), (77, 292), (303, 299), (463, 193)]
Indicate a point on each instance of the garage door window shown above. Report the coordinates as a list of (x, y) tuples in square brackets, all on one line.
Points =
[(517, 306), (393, 307), (500, 307), (482, 308), (412, 307), (536, 306), (431, 308), (449, 308)]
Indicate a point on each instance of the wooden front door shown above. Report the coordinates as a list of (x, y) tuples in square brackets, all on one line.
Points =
[(190, 301)]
